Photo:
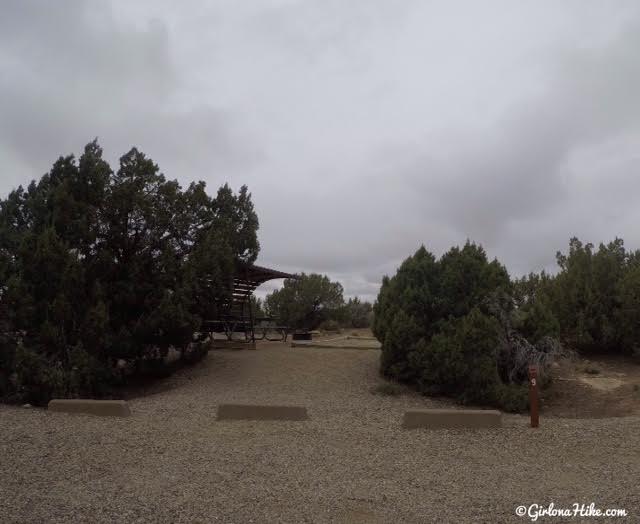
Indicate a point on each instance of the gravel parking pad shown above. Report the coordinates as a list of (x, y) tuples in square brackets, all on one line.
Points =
[(171, 461)]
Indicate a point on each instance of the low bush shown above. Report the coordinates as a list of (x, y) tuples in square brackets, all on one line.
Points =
[(449, 327), (195, 353), (37, 379), (356, 314), (460, 362), (330, 325), (513, 398)]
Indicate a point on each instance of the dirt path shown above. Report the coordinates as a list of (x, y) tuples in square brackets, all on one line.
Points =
[(351, 462), (600, 387)]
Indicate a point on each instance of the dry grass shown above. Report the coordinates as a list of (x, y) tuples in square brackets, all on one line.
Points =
[(172, 462)]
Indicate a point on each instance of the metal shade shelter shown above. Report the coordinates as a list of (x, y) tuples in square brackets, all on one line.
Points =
[(236, 312)]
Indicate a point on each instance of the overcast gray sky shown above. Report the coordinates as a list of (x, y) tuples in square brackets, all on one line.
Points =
[(363, 128)]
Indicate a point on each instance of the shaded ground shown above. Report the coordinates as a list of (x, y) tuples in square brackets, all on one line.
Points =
[(172, 462), (342, 342)]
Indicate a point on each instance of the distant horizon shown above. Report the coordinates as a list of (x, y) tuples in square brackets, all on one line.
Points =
[(271, 285), (362, 129)]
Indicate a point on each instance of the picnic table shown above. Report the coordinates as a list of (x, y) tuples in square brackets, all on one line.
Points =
[(259, 329), (266, 324)]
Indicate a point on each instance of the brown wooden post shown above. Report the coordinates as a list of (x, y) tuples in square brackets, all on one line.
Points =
[(253, 322), (253, 332), (533, 395)]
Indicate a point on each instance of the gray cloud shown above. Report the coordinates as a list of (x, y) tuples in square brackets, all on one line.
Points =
[(76, 72), (363, 129)]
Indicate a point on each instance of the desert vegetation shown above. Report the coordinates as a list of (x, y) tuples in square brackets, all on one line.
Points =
[(459, 326), (592, 302), (102, 270), (313, 301)]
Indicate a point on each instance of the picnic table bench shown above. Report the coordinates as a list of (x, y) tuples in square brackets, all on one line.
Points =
[(259, 329), (265, 325)]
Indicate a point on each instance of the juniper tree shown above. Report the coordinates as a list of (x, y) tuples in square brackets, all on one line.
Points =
[(306, 301), (444, 325), (97, 265)]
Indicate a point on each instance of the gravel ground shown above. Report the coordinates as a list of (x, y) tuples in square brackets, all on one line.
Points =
[(172, 462)]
